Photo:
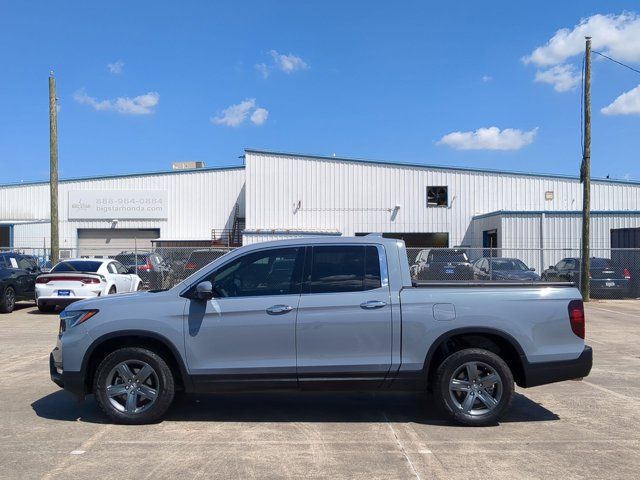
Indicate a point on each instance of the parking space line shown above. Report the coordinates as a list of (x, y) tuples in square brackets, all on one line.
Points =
[(402, 449), (615, 394), (86, 445), (614, 311)]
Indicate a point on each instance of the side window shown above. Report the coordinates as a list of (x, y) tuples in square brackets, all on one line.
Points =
[(23, 263), (111, 268), (268, 272), (561, 265), (3, 261), (371, 268), (349, 268), (121, 268)]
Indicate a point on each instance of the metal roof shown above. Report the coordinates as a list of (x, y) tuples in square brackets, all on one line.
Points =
[(555, 212), (434, 167), (124, 175)]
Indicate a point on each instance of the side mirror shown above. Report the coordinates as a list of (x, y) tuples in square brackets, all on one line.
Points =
[(552, 267), (204, 291), (532, 269)]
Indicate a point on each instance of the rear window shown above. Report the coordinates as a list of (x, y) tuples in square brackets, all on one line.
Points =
[(77, 266), (601, 263), (448, 256), (132, 259)]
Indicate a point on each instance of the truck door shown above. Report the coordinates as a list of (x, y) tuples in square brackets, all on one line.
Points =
[(344, 317), (247, 331)]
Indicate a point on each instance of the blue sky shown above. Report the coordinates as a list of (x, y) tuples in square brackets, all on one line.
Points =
[(144, 84)]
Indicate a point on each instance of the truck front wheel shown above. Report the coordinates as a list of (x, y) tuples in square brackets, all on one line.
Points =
[(474, 387), (134, 386)]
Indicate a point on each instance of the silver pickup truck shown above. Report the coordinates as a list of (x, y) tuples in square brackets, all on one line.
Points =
[(321, 313)]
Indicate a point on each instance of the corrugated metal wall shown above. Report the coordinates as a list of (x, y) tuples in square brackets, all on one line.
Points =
[(199, 201), (308, 193)]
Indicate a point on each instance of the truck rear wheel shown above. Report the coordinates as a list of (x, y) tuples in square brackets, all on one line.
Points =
[(474, 387), (134, 386)]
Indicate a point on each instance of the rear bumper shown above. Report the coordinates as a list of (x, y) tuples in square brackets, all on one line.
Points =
[(549, 372), (71, 381), (58, 301)]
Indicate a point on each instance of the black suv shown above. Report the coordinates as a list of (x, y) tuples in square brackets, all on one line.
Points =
[(17, 279), (446, 264), (149, 266)]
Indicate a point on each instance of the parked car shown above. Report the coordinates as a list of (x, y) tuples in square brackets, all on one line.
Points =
[(149, 266), (446, 264), (419, 263), (17, 279), (80, 278), (200, 258), (605, 276), (320, 313), (502, 268)]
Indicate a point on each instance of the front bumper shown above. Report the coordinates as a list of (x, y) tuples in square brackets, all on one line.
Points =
[(71, 381), (549, 372)]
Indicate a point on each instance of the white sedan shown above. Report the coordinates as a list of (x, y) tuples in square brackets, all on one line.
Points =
[(76, 279)]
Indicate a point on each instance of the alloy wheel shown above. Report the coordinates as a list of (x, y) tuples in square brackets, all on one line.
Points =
[(475, 388), (9, 298), (132, 386)]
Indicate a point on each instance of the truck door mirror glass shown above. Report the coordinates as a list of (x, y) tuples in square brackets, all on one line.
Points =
[(204, 291)]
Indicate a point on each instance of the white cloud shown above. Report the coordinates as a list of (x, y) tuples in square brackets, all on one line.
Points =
[(617, 36), (264, 69), (140, 105), (116, 67), (562, 77), (259, 116), (626, 104), (491, 138), (235, 115), (487, 78), (288, 63), (614, 35)]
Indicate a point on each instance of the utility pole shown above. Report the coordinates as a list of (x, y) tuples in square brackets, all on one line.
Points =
[(585, 175), (53, 167)]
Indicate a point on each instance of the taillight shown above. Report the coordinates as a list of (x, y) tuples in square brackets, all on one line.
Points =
[(576, 317), (89, 280), (42, 280), (146, 267), (627, 273), (190, 266)]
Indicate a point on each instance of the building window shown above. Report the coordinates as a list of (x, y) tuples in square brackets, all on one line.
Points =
[(437, 197)]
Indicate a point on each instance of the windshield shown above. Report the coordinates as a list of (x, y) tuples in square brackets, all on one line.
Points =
[(77, 266), (508, 264)]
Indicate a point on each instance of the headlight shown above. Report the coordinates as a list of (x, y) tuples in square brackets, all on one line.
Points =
[(76, 317)]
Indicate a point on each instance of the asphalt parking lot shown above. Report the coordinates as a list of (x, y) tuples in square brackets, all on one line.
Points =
[(578, 429)]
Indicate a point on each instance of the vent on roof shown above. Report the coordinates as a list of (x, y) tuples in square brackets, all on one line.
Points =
[(187, 165)]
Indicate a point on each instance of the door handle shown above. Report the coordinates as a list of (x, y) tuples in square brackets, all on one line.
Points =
[(279, 309), (372, 304)]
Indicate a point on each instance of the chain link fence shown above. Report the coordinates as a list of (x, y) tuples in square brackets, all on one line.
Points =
[(614, 273)]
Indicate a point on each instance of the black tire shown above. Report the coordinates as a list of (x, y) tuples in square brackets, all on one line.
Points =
[(8, 300), (452, 402), (164, 387), (46, 308)]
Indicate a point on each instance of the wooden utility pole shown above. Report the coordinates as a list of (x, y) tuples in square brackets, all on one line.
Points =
[(53, 168), (585, 175)]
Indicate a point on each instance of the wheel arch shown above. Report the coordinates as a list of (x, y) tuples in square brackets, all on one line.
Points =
[(493, 340), (110, 342)]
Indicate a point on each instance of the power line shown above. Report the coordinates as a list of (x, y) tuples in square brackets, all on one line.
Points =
[(616, 61)]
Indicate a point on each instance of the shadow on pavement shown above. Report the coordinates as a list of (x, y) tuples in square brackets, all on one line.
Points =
[(290, 407)]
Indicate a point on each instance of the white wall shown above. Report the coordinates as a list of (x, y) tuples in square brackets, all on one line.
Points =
[(352, 196), (199, 201)]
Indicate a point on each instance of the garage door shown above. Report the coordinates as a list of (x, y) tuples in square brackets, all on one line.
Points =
[(111, 241)]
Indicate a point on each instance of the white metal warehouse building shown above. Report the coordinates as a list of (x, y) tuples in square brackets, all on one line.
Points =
[(280, 195)]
